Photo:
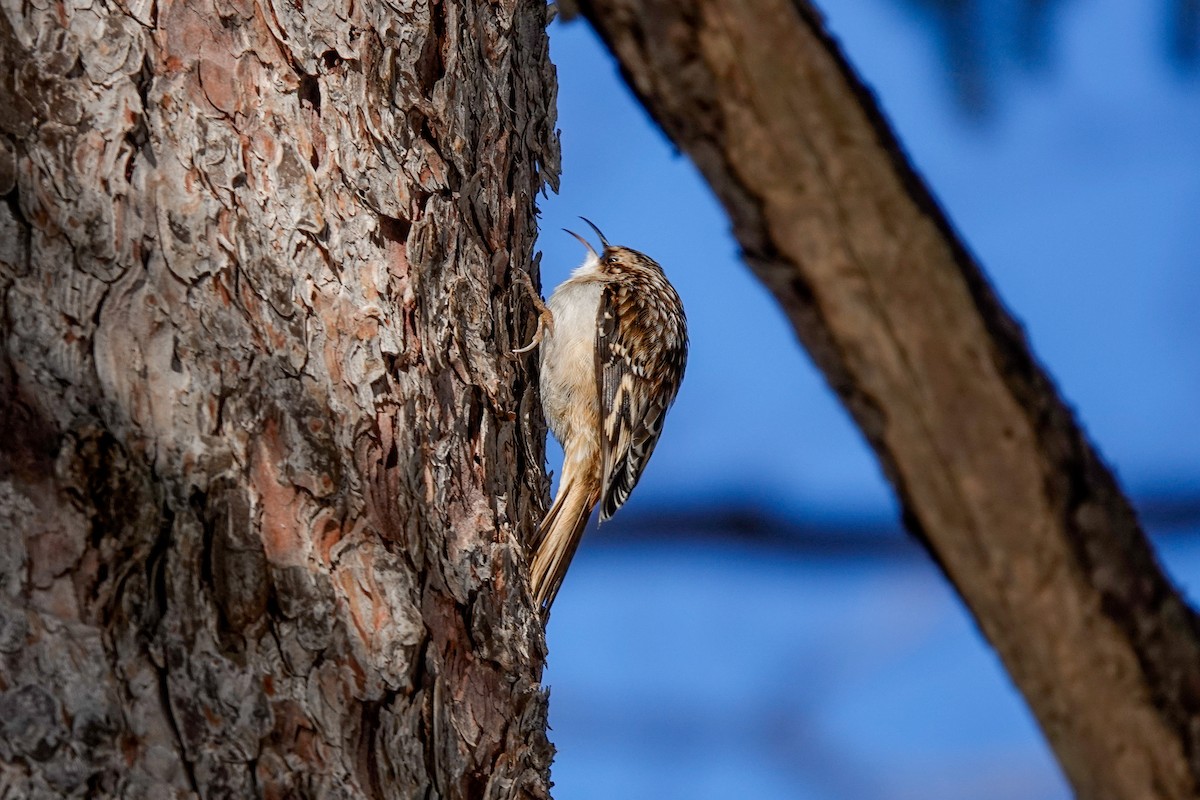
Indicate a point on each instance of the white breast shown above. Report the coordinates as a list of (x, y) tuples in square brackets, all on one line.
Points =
[(568, 374)]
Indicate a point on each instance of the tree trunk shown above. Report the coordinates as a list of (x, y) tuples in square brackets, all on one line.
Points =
[(264, 461), (992, 470)]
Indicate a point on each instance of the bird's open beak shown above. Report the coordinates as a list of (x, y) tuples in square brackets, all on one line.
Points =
[(583, 242)]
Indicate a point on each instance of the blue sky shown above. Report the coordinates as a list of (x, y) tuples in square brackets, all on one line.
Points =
[(698, 670)]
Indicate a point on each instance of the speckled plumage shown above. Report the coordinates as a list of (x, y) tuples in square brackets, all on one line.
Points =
[(611, 364)]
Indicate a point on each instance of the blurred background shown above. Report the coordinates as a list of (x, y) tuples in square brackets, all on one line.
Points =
[(755, 623)]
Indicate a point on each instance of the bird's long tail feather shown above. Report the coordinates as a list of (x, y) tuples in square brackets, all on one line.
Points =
[(558, 536)]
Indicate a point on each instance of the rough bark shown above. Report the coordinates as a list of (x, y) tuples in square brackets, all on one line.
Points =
[(264, 463), (993, 472)]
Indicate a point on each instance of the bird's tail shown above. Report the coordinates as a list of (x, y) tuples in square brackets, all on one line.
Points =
[(558, 536)]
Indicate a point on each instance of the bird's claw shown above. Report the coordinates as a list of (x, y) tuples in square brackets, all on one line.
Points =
[(545, 318)]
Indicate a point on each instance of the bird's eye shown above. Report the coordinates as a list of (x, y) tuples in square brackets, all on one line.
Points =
[(612, 259)]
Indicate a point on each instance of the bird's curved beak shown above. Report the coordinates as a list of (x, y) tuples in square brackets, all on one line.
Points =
[(591, 224), (584, 242)]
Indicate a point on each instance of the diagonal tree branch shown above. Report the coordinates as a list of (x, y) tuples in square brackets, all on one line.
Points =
[(994, 474)]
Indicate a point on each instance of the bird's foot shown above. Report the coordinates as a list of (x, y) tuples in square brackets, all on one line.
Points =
[(545, 317)]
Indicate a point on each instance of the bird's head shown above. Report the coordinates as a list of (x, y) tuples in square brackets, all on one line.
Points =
[(613, 259)]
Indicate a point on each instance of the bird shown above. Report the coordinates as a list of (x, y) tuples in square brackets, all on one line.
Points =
[(613, 352)]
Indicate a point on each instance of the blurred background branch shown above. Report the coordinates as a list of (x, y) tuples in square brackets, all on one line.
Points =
[(765, 527), (976, 38)]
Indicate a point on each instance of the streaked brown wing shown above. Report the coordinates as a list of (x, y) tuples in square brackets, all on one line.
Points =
[(641, 353)]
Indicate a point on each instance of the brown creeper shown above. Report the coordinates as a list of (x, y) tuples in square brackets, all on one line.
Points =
[(612, 362)]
